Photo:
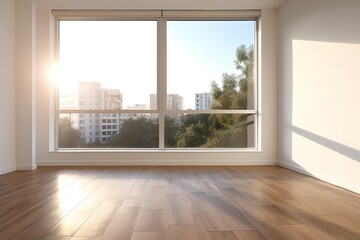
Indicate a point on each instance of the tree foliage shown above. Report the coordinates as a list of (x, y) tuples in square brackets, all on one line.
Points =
[(194, 131), (69, 137), (235, 93), (171, 131), (137, 133)]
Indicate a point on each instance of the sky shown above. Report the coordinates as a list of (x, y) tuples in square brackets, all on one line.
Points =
[(122, 55)]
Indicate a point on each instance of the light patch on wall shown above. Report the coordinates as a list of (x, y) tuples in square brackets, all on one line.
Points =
[(325, 87), (308, 155)]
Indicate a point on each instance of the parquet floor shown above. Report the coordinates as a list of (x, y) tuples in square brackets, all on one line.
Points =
[(189, 203)]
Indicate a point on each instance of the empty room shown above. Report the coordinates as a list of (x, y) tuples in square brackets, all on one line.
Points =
[(168, 119)]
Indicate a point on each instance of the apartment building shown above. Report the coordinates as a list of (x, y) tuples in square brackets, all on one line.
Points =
[(91, 95), (203, 101)]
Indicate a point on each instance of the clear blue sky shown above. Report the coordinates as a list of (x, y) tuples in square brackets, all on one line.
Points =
[(122, 55), (201, 51)]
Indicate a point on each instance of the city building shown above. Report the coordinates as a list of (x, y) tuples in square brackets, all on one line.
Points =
[(137, 106), (203, 101), (173, 102), (111, 99), (91, 96)]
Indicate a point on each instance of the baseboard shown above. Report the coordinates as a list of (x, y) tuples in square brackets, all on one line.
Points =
[(345, 185), (295, 168), (7, 170), (26, 167), (155, 163)]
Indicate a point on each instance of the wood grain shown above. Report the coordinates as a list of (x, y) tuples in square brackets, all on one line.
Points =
[(174, 203)]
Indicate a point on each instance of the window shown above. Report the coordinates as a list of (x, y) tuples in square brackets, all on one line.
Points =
[(172, 79)]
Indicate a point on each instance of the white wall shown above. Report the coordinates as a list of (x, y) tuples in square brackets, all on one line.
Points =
[(25, 84), (7, 86), (319, 80), (40, 147)]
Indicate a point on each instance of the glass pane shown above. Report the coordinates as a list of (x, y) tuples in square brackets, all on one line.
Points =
[(107, 64), (210, 64), (89, 130), (210, 131)]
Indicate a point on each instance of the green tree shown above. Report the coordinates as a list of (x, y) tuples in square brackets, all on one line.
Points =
[(236, 93), (69, 137), (194, 131), (137, 133), (171, 131)]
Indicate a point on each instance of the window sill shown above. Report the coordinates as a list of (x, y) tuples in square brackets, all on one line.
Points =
[(188, 150)]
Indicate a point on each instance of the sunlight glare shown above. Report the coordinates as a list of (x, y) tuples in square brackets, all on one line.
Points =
[(64, 77)]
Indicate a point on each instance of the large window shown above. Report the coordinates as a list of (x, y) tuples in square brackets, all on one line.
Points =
[(158, 80)]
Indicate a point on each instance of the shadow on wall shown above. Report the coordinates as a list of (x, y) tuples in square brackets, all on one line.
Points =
[(334, 146), (319, 49)]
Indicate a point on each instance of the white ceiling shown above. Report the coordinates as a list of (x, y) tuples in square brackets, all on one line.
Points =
[(259, 4), (165, 4)]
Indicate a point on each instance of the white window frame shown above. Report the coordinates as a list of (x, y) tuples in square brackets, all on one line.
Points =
[(161, 17)]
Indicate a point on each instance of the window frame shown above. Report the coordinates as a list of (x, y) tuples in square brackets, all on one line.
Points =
[(161, 17)]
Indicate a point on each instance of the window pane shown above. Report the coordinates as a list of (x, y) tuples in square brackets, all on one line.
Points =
[(108, 130), (107, 64), (210, 131), (210, 64)]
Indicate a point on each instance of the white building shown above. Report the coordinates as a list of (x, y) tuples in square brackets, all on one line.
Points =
[(110, 123), (203, 101), (173, 102), (91, 96)]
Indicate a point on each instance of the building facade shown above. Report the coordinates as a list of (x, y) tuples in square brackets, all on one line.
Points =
[(203, 101), (91, 96), (173, 102)]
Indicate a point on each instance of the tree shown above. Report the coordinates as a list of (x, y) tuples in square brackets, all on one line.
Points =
[(171, 131), (137, 133), (69, 137), (194, 131), (237, 90), (236, 93)]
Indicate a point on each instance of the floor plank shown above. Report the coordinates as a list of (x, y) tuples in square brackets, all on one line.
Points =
[(151, 220), (178, 210), (175, 203), (205, 214), (182, 232), (123, 224), (97, 223), (149, 236), (249, 235)]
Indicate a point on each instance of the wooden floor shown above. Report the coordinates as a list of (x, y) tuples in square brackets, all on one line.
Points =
[(157, 203)]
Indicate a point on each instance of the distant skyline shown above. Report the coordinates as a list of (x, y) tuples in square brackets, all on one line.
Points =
[(125, 57)]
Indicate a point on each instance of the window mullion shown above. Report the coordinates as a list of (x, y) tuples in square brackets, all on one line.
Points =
[(256, 85), (161, 78)]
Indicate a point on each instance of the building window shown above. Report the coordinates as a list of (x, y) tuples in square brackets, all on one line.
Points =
[(191, 84)]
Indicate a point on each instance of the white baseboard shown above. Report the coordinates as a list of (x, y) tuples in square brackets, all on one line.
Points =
[(26, 167), (331, 180), (155, 163), (295, 168), (7, 170)]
